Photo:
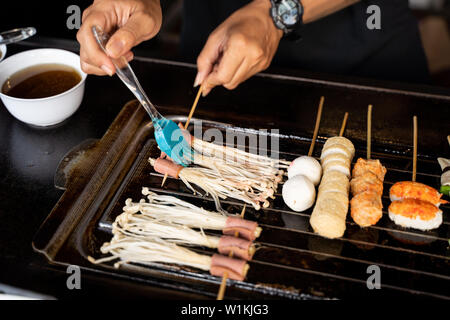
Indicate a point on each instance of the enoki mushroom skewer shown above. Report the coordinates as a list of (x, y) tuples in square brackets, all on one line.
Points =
[(133, 226), (219, 185), (155, 237), (156, 250), (175, 211)]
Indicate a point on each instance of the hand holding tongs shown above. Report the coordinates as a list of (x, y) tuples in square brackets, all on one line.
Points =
[(167, 134)]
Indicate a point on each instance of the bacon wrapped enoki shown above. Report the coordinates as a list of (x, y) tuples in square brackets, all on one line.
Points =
[(155, 250), (216, 184), (131, 225), (175, 211)]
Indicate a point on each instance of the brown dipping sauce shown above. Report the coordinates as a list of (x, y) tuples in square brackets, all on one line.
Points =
[(41, 81)]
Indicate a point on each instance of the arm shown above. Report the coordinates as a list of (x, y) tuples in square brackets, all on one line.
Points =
[(316, 9), (246, 42)]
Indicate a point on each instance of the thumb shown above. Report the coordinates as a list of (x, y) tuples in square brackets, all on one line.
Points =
[(139, 27)]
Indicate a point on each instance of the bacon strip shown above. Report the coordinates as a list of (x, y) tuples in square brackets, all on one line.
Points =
[(165, 166), (246, 229), (241, 248), (187, 136), (235, 268)]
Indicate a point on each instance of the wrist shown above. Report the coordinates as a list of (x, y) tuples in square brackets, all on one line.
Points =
[(266, 6)]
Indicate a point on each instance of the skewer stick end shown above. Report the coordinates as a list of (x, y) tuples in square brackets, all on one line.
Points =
[(164, 180)]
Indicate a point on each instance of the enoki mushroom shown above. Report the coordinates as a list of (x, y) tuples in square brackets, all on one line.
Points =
[(132, 249), (221, 186), (237, 155), (175, 211), (133, 226)]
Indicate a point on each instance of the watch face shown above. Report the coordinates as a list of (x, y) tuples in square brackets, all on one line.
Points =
[(288, 12)]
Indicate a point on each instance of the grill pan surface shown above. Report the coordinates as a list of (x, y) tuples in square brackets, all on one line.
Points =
[(291, 262)]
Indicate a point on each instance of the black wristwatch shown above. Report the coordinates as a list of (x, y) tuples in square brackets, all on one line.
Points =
[(288, 16)]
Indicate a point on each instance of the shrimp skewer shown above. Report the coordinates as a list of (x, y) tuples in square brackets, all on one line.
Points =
[(415, 190)]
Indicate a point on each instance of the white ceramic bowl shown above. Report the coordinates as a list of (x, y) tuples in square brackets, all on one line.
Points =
[(44, 111)]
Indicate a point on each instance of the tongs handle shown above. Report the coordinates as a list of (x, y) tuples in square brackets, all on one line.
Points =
[(16, 35), (126, 74)]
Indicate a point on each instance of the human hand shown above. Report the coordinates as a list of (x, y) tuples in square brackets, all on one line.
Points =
[(135, 20), (243, 45)]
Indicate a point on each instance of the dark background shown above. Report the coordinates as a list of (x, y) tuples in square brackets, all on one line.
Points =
[(50, 17)]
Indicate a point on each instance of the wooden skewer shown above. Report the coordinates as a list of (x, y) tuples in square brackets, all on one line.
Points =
[(369, 131), (186, 124), (344, 123), (223, 284), (316, 128), (415, 149), (194, 105)]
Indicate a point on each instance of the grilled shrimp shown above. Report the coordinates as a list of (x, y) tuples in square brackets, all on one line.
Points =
[(415, 190)]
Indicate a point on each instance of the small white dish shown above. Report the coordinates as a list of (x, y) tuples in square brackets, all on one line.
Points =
[(44, 111)]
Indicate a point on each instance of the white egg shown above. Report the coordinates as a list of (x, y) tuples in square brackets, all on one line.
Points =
[(307, 166), (299, 193)]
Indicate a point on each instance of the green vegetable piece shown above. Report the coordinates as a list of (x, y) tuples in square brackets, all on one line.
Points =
[(445, 190)]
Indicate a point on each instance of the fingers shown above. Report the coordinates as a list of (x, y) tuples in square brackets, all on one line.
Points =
[(92, 69), (231, 61), (240, 60), (208, 57), (92, 57), (139, 27), (137, 21)]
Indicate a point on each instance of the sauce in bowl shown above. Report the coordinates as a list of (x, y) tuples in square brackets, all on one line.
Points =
[(41, 81)]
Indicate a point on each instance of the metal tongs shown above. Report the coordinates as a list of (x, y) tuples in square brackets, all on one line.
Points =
[(168, 135), (16, 35)]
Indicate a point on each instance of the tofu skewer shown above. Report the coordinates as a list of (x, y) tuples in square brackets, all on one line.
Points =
[(330, 211)]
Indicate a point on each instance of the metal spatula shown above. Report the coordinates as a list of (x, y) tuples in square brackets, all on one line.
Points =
[(167, 134)]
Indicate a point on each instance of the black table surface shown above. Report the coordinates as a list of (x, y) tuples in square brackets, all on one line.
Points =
[(28, 160)]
